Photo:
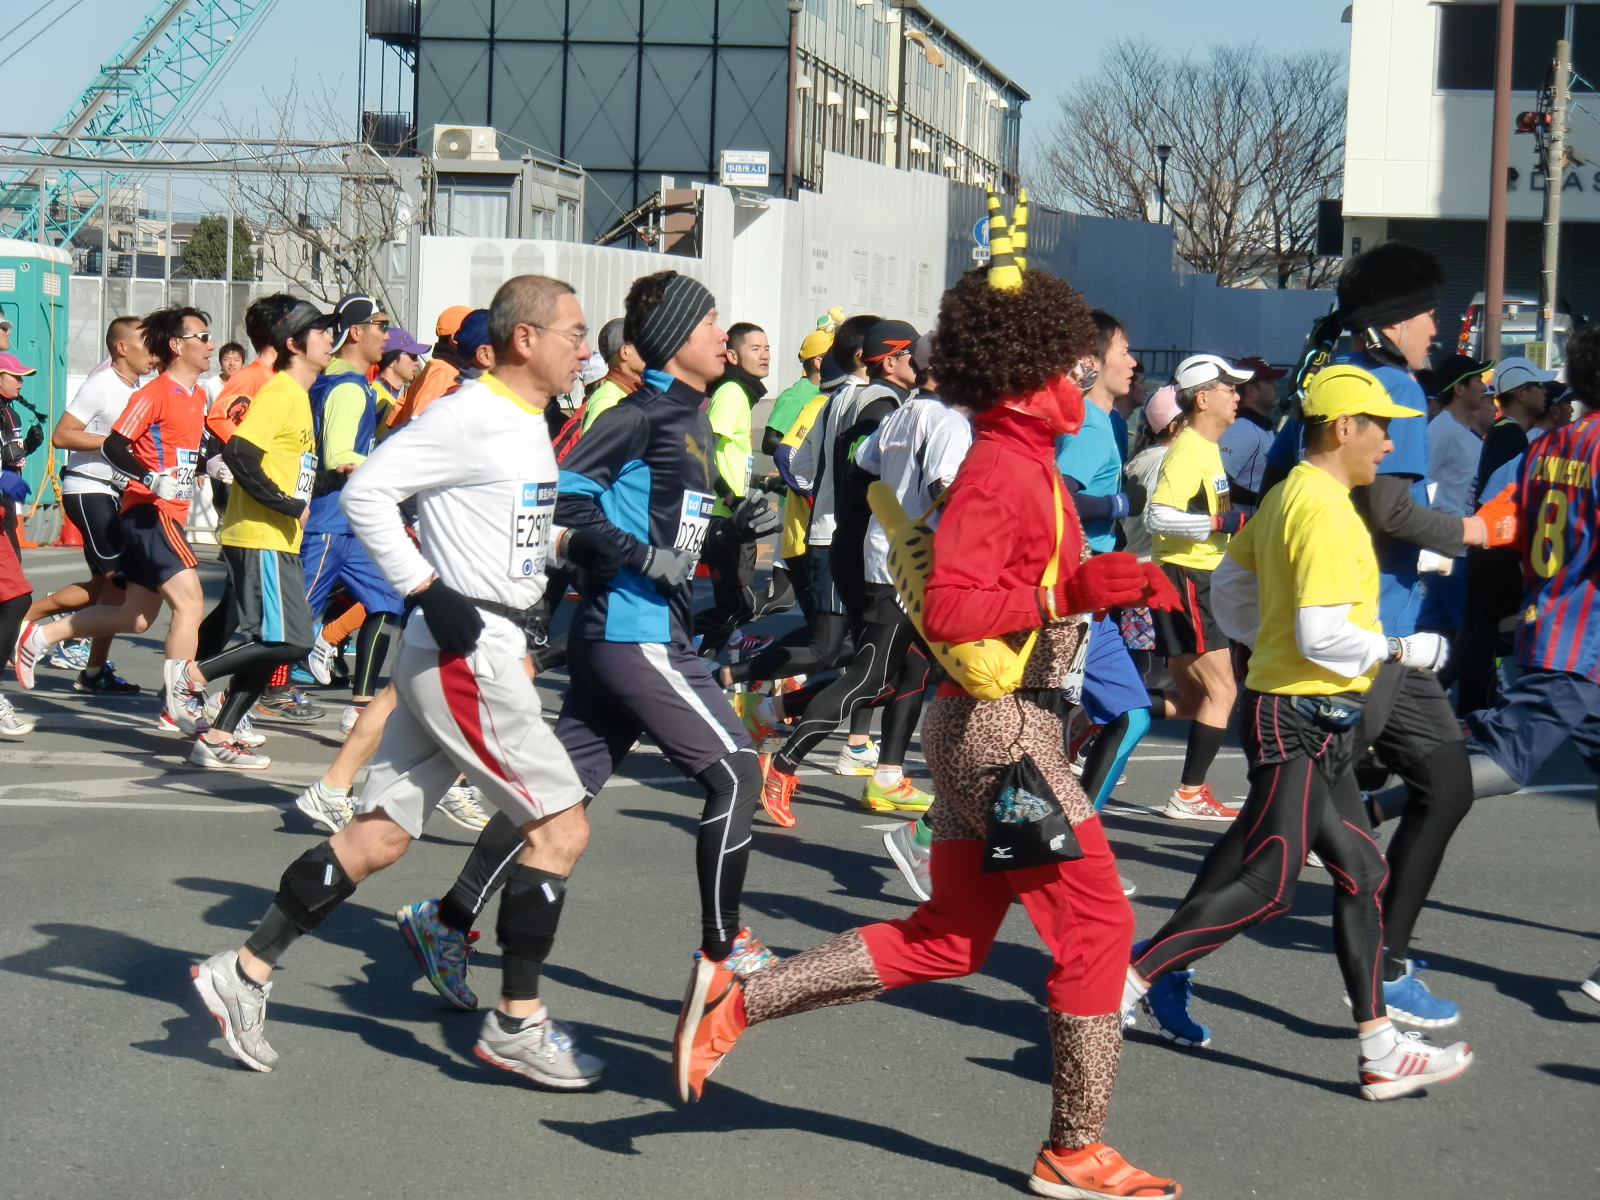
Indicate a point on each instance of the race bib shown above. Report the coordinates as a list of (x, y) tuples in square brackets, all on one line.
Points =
[(694, 518), (1220, 485), (306, 480), (184, 474), (531, 518)]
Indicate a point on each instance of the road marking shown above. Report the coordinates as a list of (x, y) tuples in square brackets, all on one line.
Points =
[(1180, 757), (40, 802), (885, 828)]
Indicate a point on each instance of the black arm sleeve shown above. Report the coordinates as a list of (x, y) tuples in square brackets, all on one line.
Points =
[(118, 451), (244, 460), (771, 439), (1389, 511), (1090, 508)]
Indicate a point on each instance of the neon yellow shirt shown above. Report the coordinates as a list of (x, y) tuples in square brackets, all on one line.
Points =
[(279, 423)]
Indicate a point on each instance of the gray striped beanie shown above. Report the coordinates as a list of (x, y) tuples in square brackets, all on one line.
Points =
[(667, 326)]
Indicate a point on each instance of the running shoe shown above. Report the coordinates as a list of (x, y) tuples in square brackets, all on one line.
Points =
[(319, 663), (329, 810), (300, 677), (70, 656), (1167, 1005), (461, 805), (440, 951), (1096, 1170), (239, 1007), (857, 760), (1080, 735), (348, 718), (748, 706), (177, 688), (1409, 1001), (1129, 887), (1313, 859), (1412, 1064), (1201, 805), (746, 645), (245, 733), (104, 682), (13, 723), (30, 645), (543, 1051), (1591, 986), (195, 713), (709, 1024), (289, 704), (776, 793), (226, 756), (915, 861), (749, 955), (899, 796)]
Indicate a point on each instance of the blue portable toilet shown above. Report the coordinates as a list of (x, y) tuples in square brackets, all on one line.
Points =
[(33, 296)]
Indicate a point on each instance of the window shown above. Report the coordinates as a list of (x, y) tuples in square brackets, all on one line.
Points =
[(1467, 45), (1586, 47), (481, 214), (861, 24), (818, 9)]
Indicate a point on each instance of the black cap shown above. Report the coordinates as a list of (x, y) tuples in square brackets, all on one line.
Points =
[(352, 311), (887, 338), (299, 317), (1448, 372)]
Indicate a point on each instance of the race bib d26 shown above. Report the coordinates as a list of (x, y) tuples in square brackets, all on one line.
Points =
[(531, 519), (694, 518)]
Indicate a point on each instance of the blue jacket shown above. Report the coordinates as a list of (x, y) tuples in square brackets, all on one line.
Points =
[(326, 516)]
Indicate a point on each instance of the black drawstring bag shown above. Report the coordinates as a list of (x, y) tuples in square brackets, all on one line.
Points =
[(1025, 825)]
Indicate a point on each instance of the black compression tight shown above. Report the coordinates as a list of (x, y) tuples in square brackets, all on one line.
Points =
[(372, 647), (250, 667), (219, 624), (820, 652), (722, 853), (12, 612), (1251, 872), (889, 668)]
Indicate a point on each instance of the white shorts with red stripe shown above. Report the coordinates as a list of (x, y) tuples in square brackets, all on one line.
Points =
[(477, 716)]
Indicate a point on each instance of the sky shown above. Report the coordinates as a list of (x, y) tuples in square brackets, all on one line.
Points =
[(1042, 44)]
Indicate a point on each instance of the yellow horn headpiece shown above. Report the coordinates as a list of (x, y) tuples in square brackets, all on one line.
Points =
[(1007, 244)]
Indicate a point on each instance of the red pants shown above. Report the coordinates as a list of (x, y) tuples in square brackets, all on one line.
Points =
[(1077, 907), (13, 582)]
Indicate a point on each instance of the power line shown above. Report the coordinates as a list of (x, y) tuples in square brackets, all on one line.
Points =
[(17, 28), (64, 14)]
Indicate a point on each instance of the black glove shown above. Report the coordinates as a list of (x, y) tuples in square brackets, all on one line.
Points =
[(754, 519), (594, 552), (1136, 494), (34, 440), (668, 569), (454, 621)]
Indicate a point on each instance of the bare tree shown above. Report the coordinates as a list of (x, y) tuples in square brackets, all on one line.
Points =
[(1256, 140)]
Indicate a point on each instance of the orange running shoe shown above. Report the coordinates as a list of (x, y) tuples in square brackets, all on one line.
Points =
[(776, 793), (709, 1024), (1096, 1170), (1199, 805)]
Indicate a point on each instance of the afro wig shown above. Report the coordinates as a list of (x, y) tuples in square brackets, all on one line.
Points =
[(1388, 284), (991, 344)]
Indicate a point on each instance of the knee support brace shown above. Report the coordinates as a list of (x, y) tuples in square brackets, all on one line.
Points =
[(312, 887), (530, 911)]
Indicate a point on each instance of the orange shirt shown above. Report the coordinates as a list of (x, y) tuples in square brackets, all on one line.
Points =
[(234, 399), (164, 422), (437, 378)]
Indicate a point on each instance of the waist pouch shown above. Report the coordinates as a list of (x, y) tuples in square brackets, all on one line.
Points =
[(1025, 825), (534, 622), (1335, 713)]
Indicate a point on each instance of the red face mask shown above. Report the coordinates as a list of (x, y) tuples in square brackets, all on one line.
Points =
[(1059, 404)]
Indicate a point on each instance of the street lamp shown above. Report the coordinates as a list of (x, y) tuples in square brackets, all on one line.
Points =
[(1163, 152), (794, 65)]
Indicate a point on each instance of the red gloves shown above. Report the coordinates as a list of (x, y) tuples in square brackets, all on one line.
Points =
[(1499, 517), (1115, 580)]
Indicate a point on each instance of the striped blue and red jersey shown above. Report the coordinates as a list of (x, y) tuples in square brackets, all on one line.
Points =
[(1558, 510)]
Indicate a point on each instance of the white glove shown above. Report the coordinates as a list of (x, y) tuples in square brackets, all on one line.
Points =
[(1424, 651), (218, 469), (1438, 564), (164, 486)]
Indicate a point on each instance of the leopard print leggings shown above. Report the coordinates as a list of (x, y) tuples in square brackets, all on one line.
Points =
[(840, 971), (1086, 1051)]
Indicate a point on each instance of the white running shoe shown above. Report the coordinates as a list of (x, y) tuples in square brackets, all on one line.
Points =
[(461, 805), (543, 1051), (245, 733), (239, 1007), (1412, 1064), (1591, 986), (70, 656), (13, 723), (226, 756), (30, 645), (178, 690), (857, 760), (320, 661), (327, 808), (915, 861), (348, 718), (1202, 806)]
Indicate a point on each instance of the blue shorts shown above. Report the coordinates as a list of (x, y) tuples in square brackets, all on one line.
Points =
[(153, 547), (1112, 685), (330, 558), (1539, 713)]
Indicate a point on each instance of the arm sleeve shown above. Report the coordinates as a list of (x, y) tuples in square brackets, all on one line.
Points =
[(1325, 636), (1171, 522), (1090, 508), (341, 419), (771, 439), (118, 451), (434, 453), (1242, 494), (1236, 600), (244, 459), (599, 459), (1389, 511)]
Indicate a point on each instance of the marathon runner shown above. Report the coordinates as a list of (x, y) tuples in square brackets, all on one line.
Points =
[(480, 464), (399, 366), (1299, 585), (156, 444), (15, 446), (439, 374)]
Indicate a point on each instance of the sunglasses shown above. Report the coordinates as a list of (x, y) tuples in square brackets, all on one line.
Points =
[(5, 326), (382, 325), (204, 336)]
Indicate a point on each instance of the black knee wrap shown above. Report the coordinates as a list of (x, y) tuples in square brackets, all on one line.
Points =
[(313, 886), (530, 911)]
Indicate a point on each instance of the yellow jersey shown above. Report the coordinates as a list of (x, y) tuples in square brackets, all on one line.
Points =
[(1192, 480), (278, 422), (796, 508)]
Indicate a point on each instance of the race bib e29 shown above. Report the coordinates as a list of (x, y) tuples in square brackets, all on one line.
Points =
[(531, 519)]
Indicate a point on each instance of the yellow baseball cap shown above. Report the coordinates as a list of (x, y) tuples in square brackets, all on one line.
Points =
[(818, 341), (1343, 390)]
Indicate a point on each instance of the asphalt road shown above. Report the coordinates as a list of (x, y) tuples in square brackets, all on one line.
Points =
[(119, 868)]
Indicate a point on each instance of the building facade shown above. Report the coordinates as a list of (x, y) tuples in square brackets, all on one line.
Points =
[(1420, 127)]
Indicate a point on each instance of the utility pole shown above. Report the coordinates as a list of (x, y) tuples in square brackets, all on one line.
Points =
[(1555, 174), (1499, 161)]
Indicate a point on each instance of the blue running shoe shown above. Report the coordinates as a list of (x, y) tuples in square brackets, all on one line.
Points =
[(1409, 1001), (1167, 1003), (301, 677)]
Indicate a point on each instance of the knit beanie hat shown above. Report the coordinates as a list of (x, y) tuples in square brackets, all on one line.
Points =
[(666, 327), (1386, 285)]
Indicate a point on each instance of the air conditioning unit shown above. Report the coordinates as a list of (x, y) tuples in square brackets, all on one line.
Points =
[(474, 143)]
